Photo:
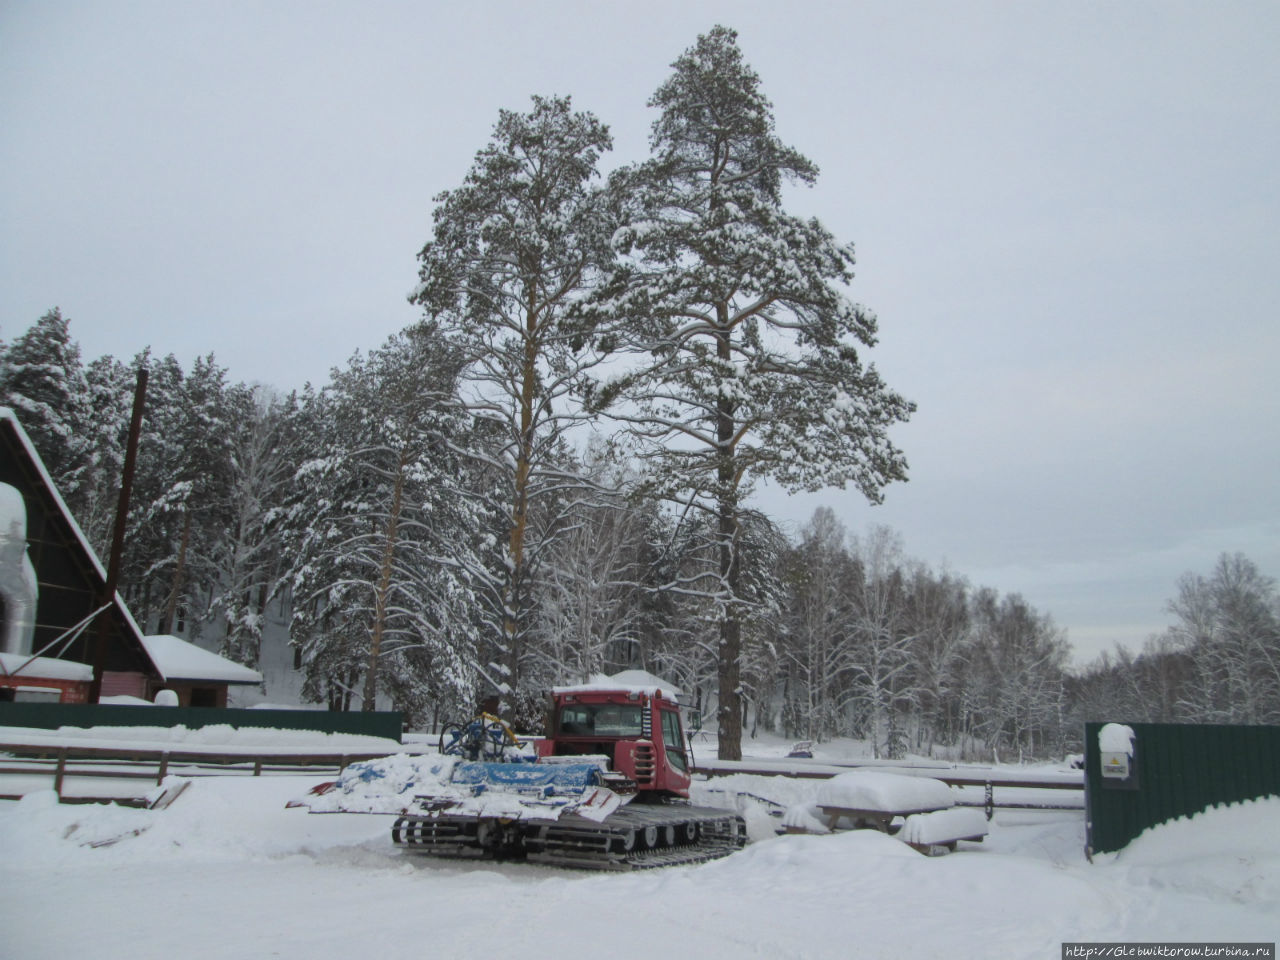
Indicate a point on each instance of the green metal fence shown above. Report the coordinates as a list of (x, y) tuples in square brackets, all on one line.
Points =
[(50, 716), (1177, 770)]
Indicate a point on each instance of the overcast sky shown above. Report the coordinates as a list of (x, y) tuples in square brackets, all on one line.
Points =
[(1067, 217)]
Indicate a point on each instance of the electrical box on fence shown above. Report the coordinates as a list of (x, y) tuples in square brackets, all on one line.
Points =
[(1117, 751), (1115, 766)]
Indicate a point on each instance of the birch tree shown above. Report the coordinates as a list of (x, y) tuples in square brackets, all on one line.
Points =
[(938, 617), (1229, 625), (882, 641), (1019, 663), (592, 608), (266, 455), (818, 627)]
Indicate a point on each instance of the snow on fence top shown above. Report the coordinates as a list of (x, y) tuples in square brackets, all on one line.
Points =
[(884, 792), (218, 739), (1116, 738)]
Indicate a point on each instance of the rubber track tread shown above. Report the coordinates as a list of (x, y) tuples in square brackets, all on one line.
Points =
[(577, 842)]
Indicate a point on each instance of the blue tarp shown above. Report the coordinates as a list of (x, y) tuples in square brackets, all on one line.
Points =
[(547, 780)]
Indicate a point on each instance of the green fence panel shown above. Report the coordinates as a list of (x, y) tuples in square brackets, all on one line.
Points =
[(50, 716), (1180, 769)]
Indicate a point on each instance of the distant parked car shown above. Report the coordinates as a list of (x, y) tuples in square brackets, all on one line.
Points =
[(802, 750)]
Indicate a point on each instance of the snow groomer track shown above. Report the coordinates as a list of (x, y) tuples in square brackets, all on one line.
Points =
[(636, 837)]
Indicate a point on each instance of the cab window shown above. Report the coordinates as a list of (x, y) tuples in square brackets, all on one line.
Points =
[(674, 741), (600, 720)]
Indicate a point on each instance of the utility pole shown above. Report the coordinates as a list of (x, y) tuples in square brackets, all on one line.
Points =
[(117, 539)]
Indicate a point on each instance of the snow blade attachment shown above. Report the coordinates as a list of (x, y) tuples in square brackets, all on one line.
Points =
[(637, 836)]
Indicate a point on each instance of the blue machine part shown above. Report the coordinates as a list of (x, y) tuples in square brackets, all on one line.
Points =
[(529, 779), (365, 772)]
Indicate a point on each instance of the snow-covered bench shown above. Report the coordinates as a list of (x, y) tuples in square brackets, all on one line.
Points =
[(870, 799), (927, 832)]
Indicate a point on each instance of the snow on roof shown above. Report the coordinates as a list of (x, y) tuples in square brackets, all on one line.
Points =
[(632, 681), (46, 668), (176, 659)]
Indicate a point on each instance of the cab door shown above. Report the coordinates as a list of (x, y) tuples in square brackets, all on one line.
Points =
[(676, 752)]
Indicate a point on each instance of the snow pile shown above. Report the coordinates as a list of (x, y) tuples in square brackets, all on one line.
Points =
[(38, 821), (760, 800), (1224, 853), (216, 819), (804, 818), (886, 792), (388, 785), (228, 871), (943, 826)]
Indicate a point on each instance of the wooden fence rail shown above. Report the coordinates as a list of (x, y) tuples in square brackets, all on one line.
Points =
[(106, 762), (989, 783)]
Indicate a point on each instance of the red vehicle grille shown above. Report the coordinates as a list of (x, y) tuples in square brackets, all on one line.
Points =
[(645, 763)]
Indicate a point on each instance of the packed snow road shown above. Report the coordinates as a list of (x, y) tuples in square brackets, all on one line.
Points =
[(227, 871)]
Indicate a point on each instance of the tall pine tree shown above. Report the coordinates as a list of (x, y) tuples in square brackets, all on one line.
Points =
[(746, 344), (42, 380), (513, 249)]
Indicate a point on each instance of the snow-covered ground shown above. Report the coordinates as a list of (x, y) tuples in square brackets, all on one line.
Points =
[(228, 871)]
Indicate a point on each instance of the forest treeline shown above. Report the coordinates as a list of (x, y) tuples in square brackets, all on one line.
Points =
[(552, 473), (247, 500)]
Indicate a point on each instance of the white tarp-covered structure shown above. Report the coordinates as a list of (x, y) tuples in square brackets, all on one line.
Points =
[(17, 575)]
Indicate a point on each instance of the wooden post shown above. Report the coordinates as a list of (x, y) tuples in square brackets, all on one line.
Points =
[(117, 537), (62, 770)]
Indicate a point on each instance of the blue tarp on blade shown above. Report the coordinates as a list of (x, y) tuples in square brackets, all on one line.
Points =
[(561, 779)]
